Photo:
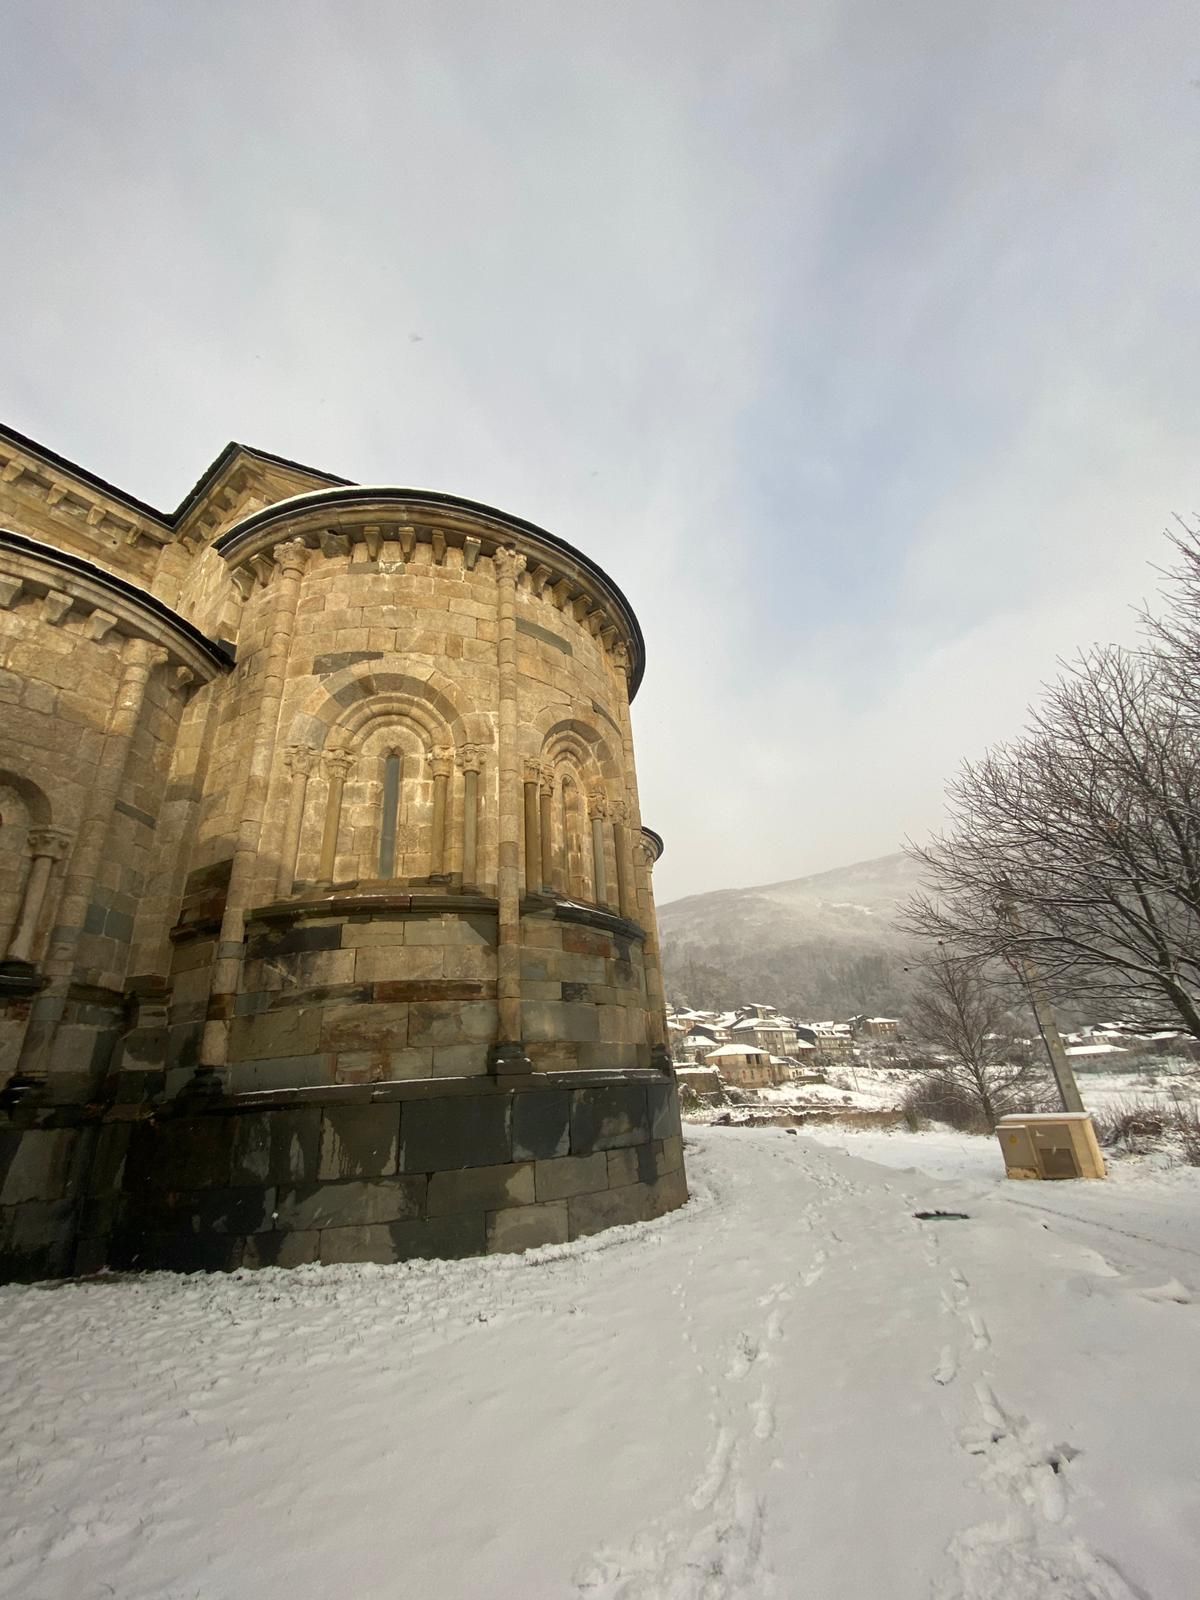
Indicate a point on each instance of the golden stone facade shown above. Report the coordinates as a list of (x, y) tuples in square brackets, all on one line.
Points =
[(307, 788)]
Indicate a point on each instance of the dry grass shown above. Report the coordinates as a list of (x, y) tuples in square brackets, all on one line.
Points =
[(1145, 1125)]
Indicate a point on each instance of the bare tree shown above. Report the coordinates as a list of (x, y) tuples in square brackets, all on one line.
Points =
[(1175, 633), (1076, 849), (958, 1010)]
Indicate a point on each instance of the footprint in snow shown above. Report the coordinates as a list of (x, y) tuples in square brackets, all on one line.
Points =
[(746, 1352)]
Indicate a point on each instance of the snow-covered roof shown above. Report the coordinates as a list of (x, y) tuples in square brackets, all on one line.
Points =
[(736, 1050)]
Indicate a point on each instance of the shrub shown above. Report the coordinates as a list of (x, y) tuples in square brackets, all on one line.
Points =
[(1140, 1126), (944, 1095)]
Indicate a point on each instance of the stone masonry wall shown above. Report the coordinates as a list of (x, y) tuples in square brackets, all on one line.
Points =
[(356, 1174)]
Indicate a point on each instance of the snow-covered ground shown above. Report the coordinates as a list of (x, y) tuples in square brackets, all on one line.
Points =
[(790, 1388)]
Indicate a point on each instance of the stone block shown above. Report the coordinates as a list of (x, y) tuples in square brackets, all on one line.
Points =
[(35, 1163), (36, 1238), (363, 935), (106, 1170), (527, 1227), (280, 1249), (670, 1159), (325, 968), (176, 1252), (352, 1203), (365, 1027), (541, 1124), (608, 1117), (481, 1189), (180, 1153), (459, 1131), (233, 1212), (668, 1194), (281, 940), (452, 1023), (382, 1066), (275, 1147), (288, 1072), (359, 1142), (369, 1242), (557, 1180), (476, 962), (459, 1060), (610, 1208), (380, 963), (440, 1238), (634, 1164), (272, 1034), (664, 1110)]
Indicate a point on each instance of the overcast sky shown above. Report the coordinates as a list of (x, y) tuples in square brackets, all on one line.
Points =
[(857, 341)]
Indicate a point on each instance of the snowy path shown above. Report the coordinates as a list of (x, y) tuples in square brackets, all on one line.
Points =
[(791, 1388)]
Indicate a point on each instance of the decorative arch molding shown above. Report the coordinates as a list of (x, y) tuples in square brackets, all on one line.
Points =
[(31, 796), (354, 694), (29, 849), (571, 737), (411, 810)]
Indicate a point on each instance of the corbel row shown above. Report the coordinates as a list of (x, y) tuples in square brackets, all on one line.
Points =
[(78, 614), (57, 494), (374, 537)]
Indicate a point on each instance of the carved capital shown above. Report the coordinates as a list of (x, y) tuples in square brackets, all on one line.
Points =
[(546, 779), (143, 653), (299, 759), (470, 758), (291, 556), (598, 803), (532, 772), (509, 563), (52, 842), (338, 763), (442, 763)]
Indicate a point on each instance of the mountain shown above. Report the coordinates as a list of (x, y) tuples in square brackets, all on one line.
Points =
[(818, 947)]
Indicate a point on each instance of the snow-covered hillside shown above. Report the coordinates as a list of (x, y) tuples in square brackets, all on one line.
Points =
[(826, 945), (790, 1388)]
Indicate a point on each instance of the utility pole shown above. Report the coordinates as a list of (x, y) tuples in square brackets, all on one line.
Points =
[(1068, 1089), (1043, 1014)]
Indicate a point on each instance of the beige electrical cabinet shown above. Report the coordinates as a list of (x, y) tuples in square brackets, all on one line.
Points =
[(1055, 1144)]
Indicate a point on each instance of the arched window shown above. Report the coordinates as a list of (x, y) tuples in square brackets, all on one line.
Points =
[(389, 820)]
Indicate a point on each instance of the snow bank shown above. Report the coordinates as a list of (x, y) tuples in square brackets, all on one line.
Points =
[(790, 1387)]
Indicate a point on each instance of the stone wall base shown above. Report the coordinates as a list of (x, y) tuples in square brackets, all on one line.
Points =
[(384, 1172)]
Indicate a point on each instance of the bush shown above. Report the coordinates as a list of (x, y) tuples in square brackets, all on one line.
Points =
[(1140, 1126), (944, 1096)]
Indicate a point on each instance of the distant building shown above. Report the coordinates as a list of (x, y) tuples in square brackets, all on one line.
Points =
[(879, 1027), (744, 1065)]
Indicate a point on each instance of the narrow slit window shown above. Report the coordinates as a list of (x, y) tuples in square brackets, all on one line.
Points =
[(391, 816)]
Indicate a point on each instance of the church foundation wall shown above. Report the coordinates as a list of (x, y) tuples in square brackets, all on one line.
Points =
[(382, 1173)]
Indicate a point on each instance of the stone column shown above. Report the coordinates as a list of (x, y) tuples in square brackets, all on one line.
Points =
[(46, 846), (508, 1054), (337, 764), (533, 838), (470, 759), (626, 889), (597, 811), (546, 819), (299, 759), (290, 559), (655, 994), (442, 763), (138, 660)]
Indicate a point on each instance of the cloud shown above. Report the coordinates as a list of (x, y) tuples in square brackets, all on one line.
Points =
[(857, 342)]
